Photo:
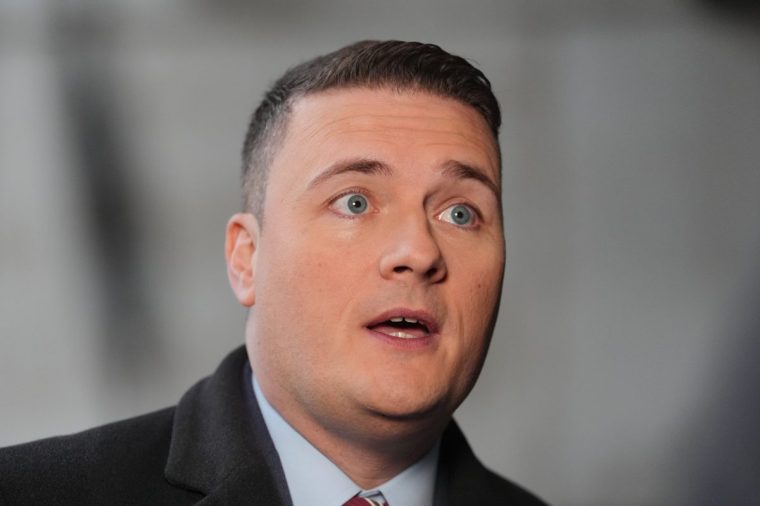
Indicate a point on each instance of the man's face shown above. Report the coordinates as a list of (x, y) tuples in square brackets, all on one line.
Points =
[(378, 271)]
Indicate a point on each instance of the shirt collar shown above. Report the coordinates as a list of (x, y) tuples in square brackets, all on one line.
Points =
[(313, 477)]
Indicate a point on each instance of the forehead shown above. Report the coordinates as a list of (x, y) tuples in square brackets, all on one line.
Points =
[(398, 127)]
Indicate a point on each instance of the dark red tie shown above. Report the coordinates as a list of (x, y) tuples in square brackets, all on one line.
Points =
[(375, 499)]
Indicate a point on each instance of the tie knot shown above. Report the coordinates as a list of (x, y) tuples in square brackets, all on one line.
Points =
[(373, 499)]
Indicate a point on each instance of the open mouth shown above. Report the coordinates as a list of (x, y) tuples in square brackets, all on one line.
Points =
[(403, 326)]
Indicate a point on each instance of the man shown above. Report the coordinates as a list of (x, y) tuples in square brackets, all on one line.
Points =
[(371, 253)]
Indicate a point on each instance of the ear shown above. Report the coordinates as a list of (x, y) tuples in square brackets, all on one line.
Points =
[(241, 239)]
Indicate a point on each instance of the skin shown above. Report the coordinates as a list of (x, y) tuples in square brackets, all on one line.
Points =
[(317, 274)]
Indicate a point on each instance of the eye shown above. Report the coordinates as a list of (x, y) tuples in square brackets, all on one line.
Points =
[(459, 214), (351, 204)]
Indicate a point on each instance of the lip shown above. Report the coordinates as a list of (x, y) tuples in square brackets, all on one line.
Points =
[(421, 316), (416, 343)]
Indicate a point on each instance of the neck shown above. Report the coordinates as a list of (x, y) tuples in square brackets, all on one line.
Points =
[(370, 450), (370, 462)]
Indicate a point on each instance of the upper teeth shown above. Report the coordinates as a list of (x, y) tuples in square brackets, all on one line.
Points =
[(398, 319)]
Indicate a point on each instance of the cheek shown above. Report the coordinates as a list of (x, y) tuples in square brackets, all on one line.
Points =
[(480, 272), (311, 274), (293, 284), (478, 294)]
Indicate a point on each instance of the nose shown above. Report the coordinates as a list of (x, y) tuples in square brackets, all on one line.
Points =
[(411, 252)]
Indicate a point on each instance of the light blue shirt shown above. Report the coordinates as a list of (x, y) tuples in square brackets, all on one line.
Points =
[(313, 479)]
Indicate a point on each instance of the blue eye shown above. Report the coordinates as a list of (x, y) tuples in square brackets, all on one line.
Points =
[(458, 214), (352, 203)]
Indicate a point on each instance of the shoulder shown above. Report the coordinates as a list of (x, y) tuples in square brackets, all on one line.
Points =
[(176, 455), (493, 486), (466, 480), (118, 442), (103, 462)]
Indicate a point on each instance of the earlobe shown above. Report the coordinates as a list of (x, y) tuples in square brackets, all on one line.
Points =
[(241, 239)]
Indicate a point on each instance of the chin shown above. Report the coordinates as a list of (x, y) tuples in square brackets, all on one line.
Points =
[(409, 407)]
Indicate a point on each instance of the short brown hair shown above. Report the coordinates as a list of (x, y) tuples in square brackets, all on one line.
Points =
[(373, 64)]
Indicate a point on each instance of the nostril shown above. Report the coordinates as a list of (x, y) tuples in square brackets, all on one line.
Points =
[(401, 268)]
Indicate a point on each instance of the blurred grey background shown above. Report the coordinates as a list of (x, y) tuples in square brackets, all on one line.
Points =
[(624, 366)]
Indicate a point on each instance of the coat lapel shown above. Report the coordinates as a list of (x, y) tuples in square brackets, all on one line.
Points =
[(220, 446)]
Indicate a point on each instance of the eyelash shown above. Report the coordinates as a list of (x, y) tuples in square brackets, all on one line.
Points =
[(349, 191), (476, 214), (478, 217)]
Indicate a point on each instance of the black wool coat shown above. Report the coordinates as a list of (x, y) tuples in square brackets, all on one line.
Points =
[(212, 448)]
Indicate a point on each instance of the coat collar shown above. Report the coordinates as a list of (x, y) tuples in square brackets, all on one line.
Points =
[(220, 446)]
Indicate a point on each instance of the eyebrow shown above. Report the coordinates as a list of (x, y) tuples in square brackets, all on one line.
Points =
[(461, 170), (360, 165), (451, 168)]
